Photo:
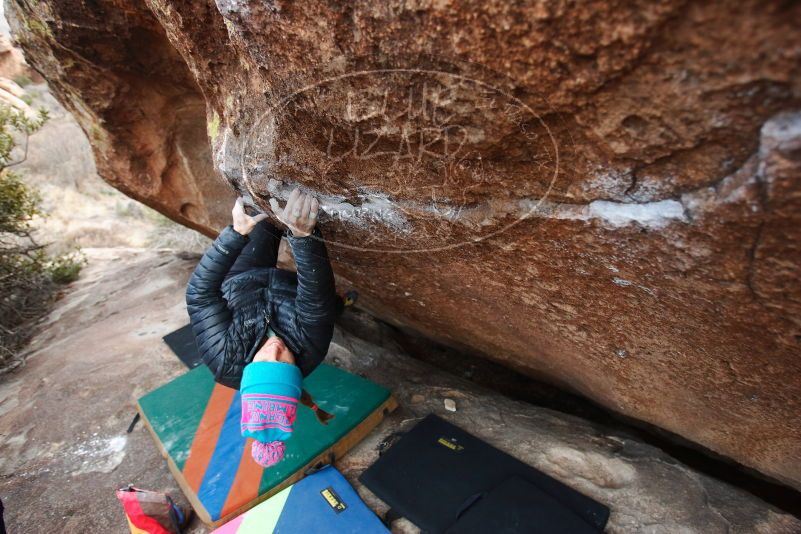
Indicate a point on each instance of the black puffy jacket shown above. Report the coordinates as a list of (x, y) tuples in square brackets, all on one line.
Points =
[(230, 318)]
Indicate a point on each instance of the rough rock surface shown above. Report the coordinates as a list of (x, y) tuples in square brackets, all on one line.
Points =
[(604, 194), (63, 446), (78, 208), (12, 62)]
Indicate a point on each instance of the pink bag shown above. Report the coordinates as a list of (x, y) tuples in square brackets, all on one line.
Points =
[(151, 512)]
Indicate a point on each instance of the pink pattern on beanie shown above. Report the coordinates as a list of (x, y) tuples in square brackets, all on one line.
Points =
[(268, 411), (267, 454)]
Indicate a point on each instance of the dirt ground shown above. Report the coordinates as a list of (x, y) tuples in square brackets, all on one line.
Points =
[(61, 462)]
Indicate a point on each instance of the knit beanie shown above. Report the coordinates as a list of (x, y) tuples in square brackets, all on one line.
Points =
[(270, 393)]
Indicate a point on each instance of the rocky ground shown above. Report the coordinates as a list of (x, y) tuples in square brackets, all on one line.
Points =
[(63, 416)]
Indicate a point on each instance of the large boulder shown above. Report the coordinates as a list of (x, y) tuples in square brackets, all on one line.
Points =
[(606, 194)]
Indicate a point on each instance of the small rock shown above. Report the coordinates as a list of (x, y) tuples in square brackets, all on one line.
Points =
[(417, 398), (450, 405)]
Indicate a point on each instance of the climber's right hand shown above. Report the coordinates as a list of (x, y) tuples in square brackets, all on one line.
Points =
[(299, 214), (244, 223)]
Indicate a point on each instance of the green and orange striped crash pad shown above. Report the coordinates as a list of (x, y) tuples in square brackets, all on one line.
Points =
[(195, 423)]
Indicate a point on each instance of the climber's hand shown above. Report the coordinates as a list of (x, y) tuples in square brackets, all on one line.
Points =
[(244, 223), (299, 214)]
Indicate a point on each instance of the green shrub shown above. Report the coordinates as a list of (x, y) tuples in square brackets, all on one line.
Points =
[(66, 268), (29, 276), (22, 80)]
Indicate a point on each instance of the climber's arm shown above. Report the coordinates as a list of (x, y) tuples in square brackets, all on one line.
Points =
[(205, 284), (315, 302), (207, 309)]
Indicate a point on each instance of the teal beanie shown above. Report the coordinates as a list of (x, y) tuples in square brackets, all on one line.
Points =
[(270, 392)]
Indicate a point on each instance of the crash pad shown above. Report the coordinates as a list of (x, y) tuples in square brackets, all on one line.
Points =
[(444, 479), (322, 503), (182, 343), (195, 423)]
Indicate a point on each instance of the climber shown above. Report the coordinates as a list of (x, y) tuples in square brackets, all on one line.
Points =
[(264, 328), (243, 308)]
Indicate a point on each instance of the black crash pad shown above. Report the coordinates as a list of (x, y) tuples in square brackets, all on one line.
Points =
[(182, 343), (517, 505), (445, 480)]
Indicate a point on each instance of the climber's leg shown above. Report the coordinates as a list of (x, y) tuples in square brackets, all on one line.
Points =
[(260, 252)]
